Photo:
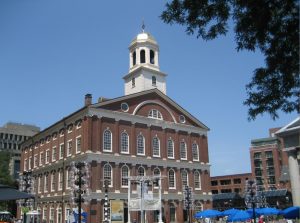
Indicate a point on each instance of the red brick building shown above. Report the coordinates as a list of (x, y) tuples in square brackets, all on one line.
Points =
[(142, 133)]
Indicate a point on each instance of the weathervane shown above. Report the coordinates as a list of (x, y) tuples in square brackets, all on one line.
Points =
[(143, 26)]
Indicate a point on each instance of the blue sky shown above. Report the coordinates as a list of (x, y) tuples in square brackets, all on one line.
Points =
[(54, 52)]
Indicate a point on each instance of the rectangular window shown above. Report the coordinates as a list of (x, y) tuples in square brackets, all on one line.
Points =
[(69, 148), (44, 214), (35, 161), (46, 183), (60, 180), (54, 153), (40, 186), (51, 217), (68, 179), (237, 181), (225, 182), (61, 151), (25, 164), (78, 144), (29, 163), (41, 158), (170, 149), (47, 156), (52, 181)]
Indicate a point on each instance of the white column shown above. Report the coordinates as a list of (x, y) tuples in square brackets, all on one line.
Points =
[(156, 58), (294, 176)]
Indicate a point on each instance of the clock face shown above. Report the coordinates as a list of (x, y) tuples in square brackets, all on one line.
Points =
[(124, 107)]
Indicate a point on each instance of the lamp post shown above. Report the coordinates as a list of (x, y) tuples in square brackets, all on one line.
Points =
[(188, 201), (26, 185), (106, 203)]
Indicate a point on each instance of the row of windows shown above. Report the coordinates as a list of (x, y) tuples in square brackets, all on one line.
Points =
[(9, 146), (13, 137), (156, 151), (143, 57), (51, 156), (54, 135), (57, 179)]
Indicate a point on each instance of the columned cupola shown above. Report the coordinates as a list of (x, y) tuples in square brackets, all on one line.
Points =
[(144, 73)]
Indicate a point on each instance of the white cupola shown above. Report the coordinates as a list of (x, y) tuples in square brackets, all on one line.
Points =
[(144, 73)]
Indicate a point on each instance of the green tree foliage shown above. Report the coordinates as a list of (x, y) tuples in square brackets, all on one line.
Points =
[(5, 177), (271, 26)]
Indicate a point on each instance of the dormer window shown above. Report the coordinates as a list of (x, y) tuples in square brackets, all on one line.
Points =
[(152, 57), (155, 114), (143, 56), (153, 81)]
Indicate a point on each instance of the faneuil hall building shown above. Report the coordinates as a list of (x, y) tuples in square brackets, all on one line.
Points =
[(142, 133)]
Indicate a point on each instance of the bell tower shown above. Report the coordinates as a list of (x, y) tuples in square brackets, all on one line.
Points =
[(144, 73)]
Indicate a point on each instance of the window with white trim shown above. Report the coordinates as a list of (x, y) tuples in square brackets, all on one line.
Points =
[(29, 163), (45, 183), (197, 180), (140, 144), (68, 178), (172, 179), (107, 174), (47, 156), (195, 152), (40, 186), (61, 150), (156, 146), (42, 158), (35, 161), (54, 153), (183, 155), (124, 143), (44, 217), (153, 81), (184, 178), (107, 141), (154, 113), (124, 175), (141, 171), (170, 148), (60, 180), (25, 164), (59, 215), (53, 181), (78, 144), (69, 147), (68, 213), (156, 172), (51, 217), (78, 124)]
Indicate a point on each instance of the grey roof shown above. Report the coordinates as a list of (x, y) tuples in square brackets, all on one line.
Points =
[(225, 196), (8, 193)]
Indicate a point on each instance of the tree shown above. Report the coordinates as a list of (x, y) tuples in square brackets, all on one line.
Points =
[(271, 26)]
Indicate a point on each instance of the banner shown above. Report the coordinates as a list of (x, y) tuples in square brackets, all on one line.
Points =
[(151, 205), (134, 204), (117, 211)]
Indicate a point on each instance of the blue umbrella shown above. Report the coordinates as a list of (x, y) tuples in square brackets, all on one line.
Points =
[(268, 211), (229, 212), (208, 214), (239, 216), (250, 211), (291, 212)]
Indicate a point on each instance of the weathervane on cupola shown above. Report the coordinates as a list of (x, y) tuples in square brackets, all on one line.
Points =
[(144, 73)]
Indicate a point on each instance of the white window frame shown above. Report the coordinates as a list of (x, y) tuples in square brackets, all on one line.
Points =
[(122, 145), (25, 164), (122, 176), (59, 211), (46, 185), (35, 161), (41, 158), (110, 184), (69, 151), (181, 151), (107, 145), (198, 179), (77, 138), (44, 213), (53, 185), (141, 168), (183, 181), (155, 114), (70, 129), (61, 150), (39, 185), (47, 156), (52, 215), (29, 162), (137, 145), (155, 149), (54, 154), (60, 180), (173, 156), (197, 152), (174, 180), (68, 183)]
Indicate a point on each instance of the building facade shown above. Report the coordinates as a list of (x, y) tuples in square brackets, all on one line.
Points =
[(11, 136), (269, 163), (143, 133)]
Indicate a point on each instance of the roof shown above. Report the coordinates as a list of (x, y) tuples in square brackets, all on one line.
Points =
[(159, 93), (9, 193), (293, 126)]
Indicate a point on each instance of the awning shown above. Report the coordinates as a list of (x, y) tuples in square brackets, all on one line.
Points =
[(225, 196), (8, 193)]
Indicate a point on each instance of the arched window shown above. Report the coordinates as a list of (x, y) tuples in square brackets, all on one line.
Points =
[(156, 147), (152, 61), (107, 174), (140, 145), (195, 152), (142, 56), (183, 150), (125, 174), (170, 149), (154, 113), (171, 178), (124, 143), (156, 172), (133, 58), (153, 81), (197, 180), (107, 140), (184, 178), (141, 171)]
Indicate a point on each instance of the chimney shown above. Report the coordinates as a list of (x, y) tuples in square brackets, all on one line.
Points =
[(88, 99)]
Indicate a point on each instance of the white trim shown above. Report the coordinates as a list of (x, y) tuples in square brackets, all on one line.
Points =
[(125, 165), (174, 179), (69, 154), (153, 102), (52, 155), (60, 145), (137, 151), (76, 141), (111, 140), (128, 141)]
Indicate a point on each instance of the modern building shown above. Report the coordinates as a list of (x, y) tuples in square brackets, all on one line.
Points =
[(142, 133), (11, 136), (291, 138), (269, 163)]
